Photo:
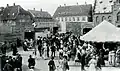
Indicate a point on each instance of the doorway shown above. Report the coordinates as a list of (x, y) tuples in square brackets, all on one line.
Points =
[(29, 35), (55, 30)]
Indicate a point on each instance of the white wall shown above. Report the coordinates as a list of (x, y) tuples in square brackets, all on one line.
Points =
[(63, 27), (80, 19)]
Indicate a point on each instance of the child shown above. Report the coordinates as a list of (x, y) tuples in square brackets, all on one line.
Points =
[(33, 55), (51, 64), (31, 62)]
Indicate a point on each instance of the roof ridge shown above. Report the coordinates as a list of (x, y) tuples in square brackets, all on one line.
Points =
[(37, 11), (12, 6), (76, 5)]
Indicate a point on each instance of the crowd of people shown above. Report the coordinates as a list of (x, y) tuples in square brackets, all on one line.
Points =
[(11, 63), (68, 46)]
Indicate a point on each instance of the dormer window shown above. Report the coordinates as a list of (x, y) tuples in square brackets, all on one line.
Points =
[(104, 8), (101, 2), (110, 1)]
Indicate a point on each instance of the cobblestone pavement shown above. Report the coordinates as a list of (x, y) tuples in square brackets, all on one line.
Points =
[(42, 65)]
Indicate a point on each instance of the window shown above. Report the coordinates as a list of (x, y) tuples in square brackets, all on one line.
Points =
[(73, 18), (110, 19), (83, 18), (110, 1), (78, 19), (103, 18), (61, 18), (97, 19), (65, 18), (118, 16), (22, 20), (69, 18)]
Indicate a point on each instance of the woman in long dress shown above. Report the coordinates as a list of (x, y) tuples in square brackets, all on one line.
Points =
[(60, 63), (92, 64), (45, 51)]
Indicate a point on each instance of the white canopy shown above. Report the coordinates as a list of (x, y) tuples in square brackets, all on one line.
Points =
[(104, 32)]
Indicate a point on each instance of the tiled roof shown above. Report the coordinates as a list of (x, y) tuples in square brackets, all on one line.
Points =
[(12, 12), (75, 10), (103, 6), (40, 14)]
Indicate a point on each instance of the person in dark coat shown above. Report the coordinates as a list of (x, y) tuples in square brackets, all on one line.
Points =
[(39, 43), (7, 66), (31, 62), (18, 42), (19, 62), (53, 48), (40, 49), (47, 51), (14, 48), (3, 48), (10, 60), (101, 54), (83, 54), (51, 64), (14, 63), (3, 62), (25, 46)]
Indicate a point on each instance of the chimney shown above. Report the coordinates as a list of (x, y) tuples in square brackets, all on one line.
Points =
[(13, 4), (7, 5), (77, 3), (85, 3), (34, 9), (64, 4), (41, 9)]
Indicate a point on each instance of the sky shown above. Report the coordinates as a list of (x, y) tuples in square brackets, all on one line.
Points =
[(46, 5)]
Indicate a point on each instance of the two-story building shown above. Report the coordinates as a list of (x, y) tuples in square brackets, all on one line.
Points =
[(15, 22), (44, 22), (107, 10), (75, 18)]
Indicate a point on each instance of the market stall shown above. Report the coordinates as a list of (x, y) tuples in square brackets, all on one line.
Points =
[(102, 33)]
